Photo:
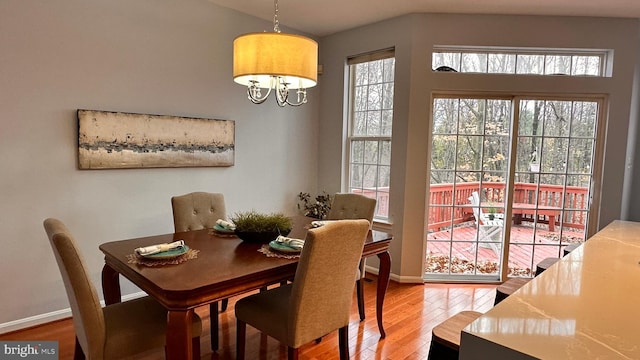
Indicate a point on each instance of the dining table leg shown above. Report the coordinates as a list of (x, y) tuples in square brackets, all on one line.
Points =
[(383, 283), (111, 285), (179, 334)]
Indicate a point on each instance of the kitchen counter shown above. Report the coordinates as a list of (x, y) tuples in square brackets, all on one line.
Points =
[(586, 306)]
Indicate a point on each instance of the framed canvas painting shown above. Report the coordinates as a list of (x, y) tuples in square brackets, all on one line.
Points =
[(110, 140)]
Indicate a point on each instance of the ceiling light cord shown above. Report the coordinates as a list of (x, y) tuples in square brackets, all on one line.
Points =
[(276, 23)]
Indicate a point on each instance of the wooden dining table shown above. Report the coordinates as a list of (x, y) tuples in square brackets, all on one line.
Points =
[(225, 266)]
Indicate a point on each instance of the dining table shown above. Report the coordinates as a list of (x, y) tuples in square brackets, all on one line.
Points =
[(225, 266)]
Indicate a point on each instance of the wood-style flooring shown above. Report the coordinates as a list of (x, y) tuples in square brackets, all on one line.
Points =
[(410, 312)]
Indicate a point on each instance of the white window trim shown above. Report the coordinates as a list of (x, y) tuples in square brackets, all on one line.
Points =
[(380, 223), (605, 55)]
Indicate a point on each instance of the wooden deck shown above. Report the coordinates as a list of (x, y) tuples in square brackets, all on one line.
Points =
[(456, 252)]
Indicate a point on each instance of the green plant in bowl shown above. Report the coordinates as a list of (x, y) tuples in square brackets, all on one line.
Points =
[(253, 226)]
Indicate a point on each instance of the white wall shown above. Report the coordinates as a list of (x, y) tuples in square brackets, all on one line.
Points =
[(414, 36), (169, 57)]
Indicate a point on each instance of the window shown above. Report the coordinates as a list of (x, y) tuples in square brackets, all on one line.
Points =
[(568, 62), (371, 88)]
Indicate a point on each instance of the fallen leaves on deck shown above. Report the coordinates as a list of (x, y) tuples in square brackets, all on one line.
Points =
[(441, 264), (566, 239)]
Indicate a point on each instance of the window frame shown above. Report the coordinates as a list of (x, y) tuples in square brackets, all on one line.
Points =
[(605, 56), (517, 98), (347, 185)]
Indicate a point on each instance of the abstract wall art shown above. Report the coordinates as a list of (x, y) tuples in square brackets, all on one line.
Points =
[(109, 140)]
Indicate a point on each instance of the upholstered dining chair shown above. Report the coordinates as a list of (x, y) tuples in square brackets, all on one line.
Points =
[(354, 206), (196, 211), (116, 331), (319, 299)]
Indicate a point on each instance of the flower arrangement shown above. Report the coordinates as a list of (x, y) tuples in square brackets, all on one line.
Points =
[(317, 207)]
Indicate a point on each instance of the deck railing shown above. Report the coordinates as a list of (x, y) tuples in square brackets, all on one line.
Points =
[(573, 199), (443, 196)]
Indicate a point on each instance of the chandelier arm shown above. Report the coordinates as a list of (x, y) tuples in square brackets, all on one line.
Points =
[(254, 93), (257, 100), (282, 91), (282, 94), (302, 93)]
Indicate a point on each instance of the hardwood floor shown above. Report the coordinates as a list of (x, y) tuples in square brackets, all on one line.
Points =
[(410, 312)]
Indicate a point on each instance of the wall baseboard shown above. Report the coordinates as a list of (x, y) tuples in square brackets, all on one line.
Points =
[(66, 313), (394, 277), (407, 279), (34, 320), (40, 319)]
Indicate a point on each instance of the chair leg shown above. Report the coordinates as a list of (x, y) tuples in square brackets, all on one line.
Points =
[(360, 296), (195, 344), (225, 303), (78, 354), (360, 289), (292, 353), (343, 342), (241, 334), (213, 319)]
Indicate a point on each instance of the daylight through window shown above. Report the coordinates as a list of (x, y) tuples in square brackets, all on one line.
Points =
[(371, 88), (566, 62)]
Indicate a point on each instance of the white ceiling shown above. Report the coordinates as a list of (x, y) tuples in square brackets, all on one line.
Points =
[(324, 17)]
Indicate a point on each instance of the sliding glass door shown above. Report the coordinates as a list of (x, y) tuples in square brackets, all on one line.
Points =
[(553, 179), (510, 183)]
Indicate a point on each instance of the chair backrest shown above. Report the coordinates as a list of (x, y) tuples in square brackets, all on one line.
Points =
[(323, 285), (474, 199), (197, 210), (352, 206), (88, 318)]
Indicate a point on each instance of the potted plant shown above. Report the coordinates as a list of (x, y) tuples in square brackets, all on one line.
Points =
[(317, 207), (534, 166), (492, 213), (253, 226)]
